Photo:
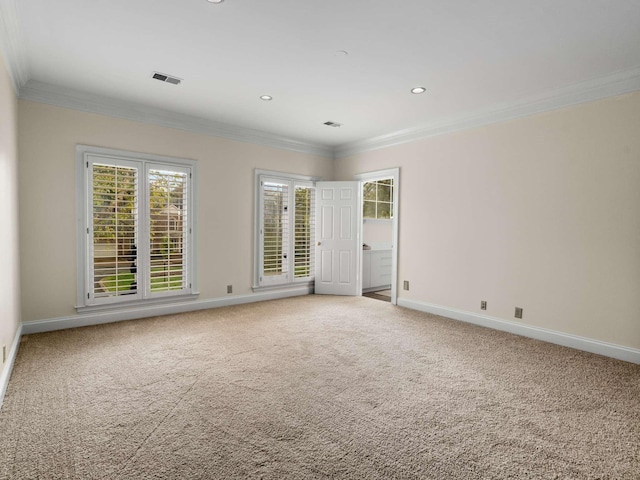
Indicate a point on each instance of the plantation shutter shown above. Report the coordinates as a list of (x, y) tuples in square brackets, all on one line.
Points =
[(168, 229), (113, 230), (136, 228), (286, 245), (304, 231), (274, 231)]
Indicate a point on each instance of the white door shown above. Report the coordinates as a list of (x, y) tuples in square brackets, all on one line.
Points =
[(338, 248)]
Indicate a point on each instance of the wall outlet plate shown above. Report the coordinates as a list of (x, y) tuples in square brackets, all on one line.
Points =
[(229, 288), (483, 305), (406, 285), (518, 312)]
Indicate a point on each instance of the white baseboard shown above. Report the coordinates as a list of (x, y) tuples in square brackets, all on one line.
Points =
[(110, 316), (8, 368), (567, 340)]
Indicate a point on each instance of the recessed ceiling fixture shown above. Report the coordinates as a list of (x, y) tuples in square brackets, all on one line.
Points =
[(266, 98), (333, 124), (215, 1), (418, 90), (166, 78)]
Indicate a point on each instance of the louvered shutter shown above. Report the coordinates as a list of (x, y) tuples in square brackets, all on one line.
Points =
[(137, 218), (304, 231), (274, 231), (113, 230), (167, 227)]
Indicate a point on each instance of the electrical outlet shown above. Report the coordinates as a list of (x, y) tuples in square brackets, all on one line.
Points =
[(406, 285), (229, 288), (4, 353), (518, 312), (483, 305)]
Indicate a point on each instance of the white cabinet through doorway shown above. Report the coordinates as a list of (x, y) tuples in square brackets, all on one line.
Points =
[(376, 270)]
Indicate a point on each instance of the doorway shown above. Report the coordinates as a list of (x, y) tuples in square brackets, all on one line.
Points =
[(379, 233)]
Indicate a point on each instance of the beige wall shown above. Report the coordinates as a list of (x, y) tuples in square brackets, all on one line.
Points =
[(9, 254), (541, 213), (48, 136)]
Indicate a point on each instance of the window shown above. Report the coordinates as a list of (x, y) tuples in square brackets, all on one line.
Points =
[(377, 199), (285, 229), (136, 236)]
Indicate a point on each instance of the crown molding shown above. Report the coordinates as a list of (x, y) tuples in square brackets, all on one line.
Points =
[(615, 84), (12, 44), (86, 102), (611, 85)]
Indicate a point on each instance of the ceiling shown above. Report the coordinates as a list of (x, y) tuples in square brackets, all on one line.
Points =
[(475, 59)]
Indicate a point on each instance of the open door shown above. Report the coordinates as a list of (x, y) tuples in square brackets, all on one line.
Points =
[(338, 248)]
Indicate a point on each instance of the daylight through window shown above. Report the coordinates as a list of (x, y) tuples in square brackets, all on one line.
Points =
[(138, 229), (377, 199), (286, 224)]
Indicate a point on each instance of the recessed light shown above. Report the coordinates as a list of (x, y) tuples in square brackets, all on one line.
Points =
[(266, 98), (215, 1), (418, 90)]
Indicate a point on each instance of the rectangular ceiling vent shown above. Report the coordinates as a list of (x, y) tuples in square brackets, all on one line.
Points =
[(166, 78), (333, 124)]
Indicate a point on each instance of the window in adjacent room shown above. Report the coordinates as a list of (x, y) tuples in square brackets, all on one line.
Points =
[(377, 199), (136, 236), (285, 229)]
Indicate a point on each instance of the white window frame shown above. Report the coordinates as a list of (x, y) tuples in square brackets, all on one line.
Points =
[(85, 156), (287, 279), (376, 201)]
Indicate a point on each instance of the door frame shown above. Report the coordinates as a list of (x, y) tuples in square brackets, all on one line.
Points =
[(378, 175)]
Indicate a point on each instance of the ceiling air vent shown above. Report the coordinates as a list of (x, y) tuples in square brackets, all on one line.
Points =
[(333, 124), (166, 78)]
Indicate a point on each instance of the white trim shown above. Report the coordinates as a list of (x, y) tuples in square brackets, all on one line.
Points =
[(137, 303), (87, 102), (84, 157), (291, 179), (617, 83), (379, 175), (8, 367), (13, 45), (258, 172), (619, 352), (98, 318)]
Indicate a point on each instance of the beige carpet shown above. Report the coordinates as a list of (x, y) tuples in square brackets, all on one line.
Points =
[(314, 387)]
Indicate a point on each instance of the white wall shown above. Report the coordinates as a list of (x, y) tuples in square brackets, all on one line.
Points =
[(9, 266), (48, 136), (541, 213)]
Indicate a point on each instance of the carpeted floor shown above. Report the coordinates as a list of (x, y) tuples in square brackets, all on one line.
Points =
[(310, 388)]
